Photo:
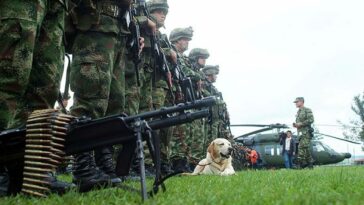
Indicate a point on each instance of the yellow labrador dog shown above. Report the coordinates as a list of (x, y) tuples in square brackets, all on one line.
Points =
[(218, 159)]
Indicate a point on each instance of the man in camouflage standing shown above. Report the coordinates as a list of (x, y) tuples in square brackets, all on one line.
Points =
[(98, 79), (181, 140), (215, 127), (197, 57), (31, 61), (304, 120), (152, 93), (31, 57), (161, 90)]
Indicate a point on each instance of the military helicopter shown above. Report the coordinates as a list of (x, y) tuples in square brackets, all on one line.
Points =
[(269, 150)]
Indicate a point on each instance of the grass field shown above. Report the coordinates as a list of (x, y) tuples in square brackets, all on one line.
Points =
[(323, 185)]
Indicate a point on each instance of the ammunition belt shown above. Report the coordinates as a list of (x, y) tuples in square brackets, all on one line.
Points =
[(44, 149)]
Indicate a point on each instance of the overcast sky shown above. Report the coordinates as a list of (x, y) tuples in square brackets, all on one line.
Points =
[(270, 52)]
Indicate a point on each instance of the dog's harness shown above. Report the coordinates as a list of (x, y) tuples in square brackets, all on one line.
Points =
[(211, 164)]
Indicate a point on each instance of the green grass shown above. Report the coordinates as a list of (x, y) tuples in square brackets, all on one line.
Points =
[(323, 185)]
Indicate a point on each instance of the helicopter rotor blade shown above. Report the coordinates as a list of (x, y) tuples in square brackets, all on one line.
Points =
[(277, 125), (249, 125), (255, 132), (338, 138)]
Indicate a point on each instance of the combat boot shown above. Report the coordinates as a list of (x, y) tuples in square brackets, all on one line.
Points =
[(86, 175), (104, 161), (59, 187), (180, 165)]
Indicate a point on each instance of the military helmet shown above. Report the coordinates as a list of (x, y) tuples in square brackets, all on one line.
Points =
[(199, 53), (299, 99), (153, 5), (211, 70), (178, 33)]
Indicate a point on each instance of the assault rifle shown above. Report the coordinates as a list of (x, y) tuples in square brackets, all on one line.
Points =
[(185, 82), (160, 58), (49, 136), (133, 42)]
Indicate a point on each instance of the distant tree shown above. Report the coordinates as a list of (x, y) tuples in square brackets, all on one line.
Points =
[(358, 108), (355, 130)]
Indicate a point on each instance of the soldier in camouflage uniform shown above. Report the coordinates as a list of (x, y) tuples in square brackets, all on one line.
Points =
[(154, 86), (198, 57), (31, 59), (181, 141), (97, 78), (158, 10), (215, 127), (139, 98), (304, 120)]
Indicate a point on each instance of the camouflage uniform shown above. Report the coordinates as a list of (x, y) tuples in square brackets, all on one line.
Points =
[(140, 97), (160, 87), (132, 90), (198, 137), (305, 117), (153, 85), (31, 57), (98, 66), (215, 127), (180, 150), (97, 77), (31, 67)]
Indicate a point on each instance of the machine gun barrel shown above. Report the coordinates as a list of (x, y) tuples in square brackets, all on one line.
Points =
[(83, 135)]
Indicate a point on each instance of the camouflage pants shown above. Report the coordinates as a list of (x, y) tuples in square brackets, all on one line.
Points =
[(180, 141), (132, 90), (304, 156), (159, 98), (197, 146), (146, 101), (31, 57), (97, 74), (223, 132), (138, 98), (211, 130)]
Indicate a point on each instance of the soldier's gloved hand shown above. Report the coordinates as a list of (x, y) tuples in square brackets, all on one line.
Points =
[(152, 26), (141, 43)]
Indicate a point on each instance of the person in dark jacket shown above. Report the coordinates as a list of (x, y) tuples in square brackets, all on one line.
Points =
[(288, 149)]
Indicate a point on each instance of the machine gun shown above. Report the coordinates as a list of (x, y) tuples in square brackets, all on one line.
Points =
[(32, 152)]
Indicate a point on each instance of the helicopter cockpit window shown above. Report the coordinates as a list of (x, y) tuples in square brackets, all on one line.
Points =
[(328, 148), (269, 150), (318, 148)]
